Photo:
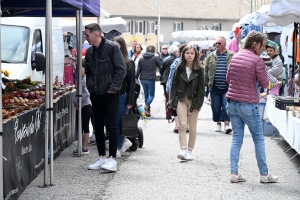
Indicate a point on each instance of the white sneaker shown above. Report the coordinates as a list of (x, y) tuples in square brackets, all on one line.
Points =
[(92, 136), (97, 165), (218, 128), (126, 146), (182, 155), (110, 165), (118, 155), (228, 129), (189, 155)]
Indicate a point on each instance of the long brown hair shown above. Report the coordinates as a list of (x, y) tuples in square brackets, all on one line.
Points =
[(196, 64), (123, 48), (252, 37)]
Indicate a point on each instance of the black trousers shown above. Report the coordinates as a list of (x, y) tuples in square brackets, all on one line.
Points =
[(105, 110)]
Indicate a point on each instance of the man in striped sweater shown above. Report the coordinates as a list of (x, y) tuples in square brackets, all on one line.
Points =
[(216, 66)]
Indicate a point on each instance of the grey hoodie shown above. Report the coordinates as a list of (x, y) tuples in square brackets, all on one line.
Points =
[(85, 99), (147, 66)]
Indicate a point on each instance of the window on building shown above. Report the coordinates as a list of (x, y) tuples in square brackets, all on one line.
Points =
[(151, 27), (129, 27), (203, 27), (216, 26), (177, 26), (140, 27)]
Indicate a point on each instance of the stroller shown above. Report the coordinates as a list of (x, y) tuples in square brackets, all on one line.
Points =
[(135, 135)]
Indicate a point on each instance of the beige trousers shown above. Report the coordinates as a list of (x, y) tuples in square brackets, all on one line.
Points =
[(184, 117)]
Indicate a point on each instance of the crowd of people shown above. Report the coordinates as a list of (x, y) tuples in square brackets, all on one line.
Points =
[(113, 78)]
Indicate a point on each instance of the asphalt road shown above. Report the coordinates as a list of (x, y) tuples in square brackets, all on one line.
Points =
[(154, 172)]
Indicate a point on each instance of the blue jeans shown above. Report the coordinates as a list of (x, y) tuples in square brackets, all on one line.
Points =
[(149, 91), (218, 104), (121, 110), (240, 114)]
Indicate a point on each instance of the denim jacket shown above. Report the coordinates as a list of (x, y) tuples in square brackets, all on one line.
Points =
[(172, 70), (105, 68)]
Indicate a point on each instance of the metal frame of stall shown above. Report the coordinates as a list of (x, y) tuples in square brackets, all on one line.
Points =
[(49, 91)]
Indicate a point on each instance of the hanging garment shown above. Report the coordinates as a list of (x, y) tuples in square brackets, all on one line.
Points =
[(296, 46), (233, 45)]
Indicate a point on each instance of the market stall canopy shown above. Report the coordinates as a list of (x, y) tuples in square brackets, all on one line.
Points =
[(208, 34), (267, 20), (205, 44), (61, 8), (107, 25), (284, 7), (249, 18), (281, 12)]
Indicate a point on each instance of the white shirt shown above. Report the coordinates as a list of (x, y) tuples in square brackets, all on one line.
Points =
[(188, 72)]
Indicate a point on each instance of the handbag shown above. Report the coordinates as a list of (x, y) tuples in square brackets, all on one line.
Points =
[(129, 124), (170, 112)]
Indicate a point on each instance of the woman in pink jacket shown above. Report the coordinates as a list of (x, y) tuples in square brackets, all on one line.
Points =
[(246, 70)]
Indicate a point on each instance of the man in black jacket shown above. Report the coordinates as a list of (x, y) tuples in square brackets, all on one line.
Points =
[(105, 71)]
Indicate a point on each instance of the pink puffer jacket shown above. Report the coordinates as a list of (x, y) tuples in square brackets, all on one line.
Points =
[(245, 69)]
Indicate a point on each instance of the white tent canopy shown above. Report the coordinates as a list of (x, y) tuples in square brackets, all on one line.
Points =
[(206, 34), (285, 7), (267, 20), (204, 44), (107, 25), (249, 18), (281, 12)]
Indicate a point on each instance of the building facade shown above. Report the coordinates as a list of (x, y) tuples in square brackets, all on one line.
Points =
[(175, 15)]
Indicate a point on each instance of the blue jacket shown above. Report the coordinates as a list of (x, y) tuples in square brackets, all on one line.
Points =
[(172, 70)]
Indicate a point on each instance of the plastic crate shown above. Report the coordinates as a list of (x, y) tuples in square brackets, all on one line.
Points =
[(282, 104), (268, 128), (261, 108)]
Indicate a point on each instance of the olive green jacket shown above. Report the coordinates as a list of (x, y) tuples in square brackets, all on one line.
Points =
[(211, 65), (193, 87)]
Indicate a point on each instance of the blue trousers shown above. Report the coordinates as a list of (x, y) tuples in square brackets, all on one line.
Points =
[(240, 114), (218, 104), (149, 91)]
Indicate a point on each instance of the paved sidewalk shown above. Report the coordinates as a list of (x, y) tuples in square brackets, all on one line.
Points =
[(154, 172)]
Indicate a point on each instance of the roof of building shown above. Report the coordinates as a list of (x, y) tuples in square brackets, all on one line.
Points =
[(186, 9)]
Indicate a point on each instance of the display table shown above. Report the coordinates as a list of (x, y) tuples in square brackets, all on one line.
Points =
[(24, 146), (285, 122)]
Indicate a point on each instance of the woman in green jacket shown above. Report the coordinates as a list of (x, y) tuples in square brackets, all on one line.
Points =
[(187, 95)]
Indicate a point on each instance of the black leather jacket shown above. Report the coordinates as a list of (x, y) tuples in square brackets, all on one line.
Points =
[(129, 83), (105, 68)]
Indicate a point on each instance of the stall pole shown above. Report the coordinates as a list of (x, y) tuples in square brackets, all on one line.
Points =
[(98, 20), (158, 28), (49, 94), (79, 81), (1, 129)]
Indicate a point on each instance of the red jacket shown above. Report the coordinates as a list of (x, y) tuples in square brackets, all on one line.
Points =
[(246, 68)]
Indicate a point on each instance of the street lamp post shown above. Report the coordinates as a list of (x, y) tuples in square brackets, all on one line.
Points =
[(158, 27)]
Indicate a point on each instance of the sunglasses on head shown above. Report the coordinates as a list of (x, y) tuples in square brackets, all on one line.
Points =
[(218, 43)]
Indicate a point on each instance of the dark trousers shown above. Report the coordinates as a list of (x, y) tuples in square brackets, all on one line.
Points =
[(105, 110), (218, 104), (165, 89), (136, 95), (86, 112), (206, 91)]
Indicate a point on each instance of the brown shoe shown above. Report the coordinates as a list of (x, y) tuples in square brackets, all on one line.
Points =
[(176, 130), (148, 113)]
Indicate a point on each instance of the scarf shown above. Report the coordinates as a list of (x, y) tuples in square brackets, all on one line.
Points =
[(136, 54)]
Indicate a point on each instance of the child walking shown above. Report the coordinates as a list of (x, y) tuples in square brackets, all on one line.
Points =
[(86, 111), (187, 95)]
